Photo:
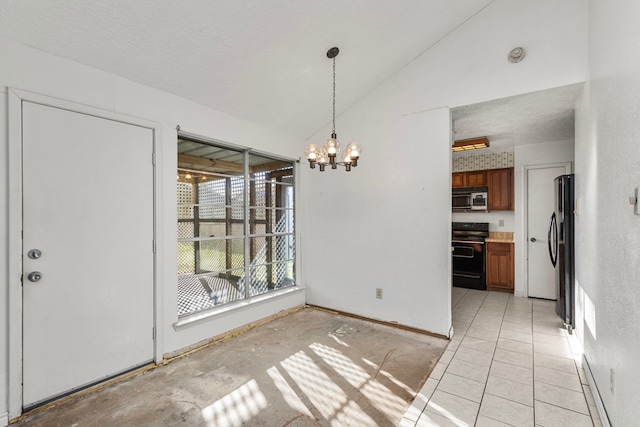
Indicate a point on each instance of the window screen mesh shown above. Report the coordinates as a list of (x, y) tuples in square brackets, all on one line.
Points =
[(216, 228), (211, 197)]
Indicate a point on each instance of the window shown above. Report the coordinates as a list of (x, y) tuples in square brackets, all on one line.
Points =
[(235, 225)]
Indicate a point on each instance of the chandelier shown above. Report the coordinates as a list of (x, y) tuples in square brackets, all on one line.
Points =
[(328, 153)]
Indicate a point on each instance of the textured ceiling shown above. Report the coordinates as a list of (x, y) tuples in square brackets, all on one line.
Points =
[(264, 60), (544, 116)]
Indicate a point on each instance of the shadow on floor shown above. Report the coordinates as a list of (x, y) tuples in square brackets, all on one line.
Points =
[(309, 368)]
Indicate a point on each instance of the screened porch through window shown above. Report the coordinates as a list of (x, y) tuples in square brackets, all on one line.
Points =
[(235, 225)]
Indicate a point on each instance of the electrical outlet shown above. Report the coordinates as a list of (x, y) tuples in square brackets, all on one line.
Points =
[(379, 293), (501, 223), (612, 380)]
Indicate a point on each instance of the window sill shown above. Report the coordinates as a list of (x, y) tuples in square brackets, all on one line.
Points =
[(197, 318)]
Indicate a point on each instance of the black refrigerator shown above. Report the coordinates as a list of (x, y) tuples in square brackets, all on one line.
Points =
[(562, 248)]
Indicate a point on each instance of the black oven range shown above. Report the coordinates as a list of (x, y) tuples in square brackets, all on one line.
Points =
[(468, 254)]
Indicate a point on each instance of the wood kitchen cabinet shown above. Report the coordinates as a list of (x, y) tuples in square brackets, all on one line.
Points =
[(468, 179), (457, 179), (476, 178), (499, 183), (499, 273), (500, 189)]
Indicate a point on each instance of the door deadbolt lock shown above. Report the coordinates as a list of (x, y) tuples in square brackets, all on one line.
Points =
[(34, 276), (533, 239), (34, 254)]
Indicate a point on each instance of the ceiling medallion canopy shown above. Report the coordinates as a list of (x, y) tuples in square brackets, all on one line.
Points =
[(328, 153)]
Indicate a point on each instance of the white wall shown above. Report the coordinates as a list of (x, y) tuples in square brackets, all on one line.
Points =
[(382, 228), (27, 69), (607, 231), (400, 193), (529, 155)]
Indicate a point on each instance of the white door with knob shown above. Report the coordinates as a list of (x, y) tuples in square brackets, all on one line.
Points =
[(88, 280), (540, 192)]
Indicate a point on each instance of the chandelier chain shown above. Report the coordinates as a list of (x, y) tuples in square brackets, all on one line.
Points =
[(334, 94)]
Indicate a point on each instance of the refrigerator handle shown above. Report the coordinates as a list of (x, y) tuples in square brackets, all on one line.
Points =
[(553, 235)]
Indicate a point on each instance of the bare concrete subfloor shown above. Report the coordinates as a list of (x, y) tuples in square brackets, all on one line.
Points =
[(309, 368)]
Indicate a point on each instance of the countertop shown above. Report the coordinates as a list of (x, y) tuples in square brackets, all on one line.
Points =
[(500, 237)]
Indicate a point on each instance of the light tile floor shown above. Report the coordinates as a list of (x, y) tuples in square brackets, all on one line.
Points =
[(510, 363)]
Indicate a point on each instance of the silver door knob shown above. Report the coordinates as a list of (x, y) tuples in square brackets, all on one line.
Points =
[(34, 254), (34, 276), (533, 239)]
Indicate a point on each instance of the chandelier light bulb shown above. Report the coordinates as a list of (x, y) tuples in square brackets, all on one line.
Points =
[(346, 156), (355, 149), (332, 146), (312, 152), (323, 159)]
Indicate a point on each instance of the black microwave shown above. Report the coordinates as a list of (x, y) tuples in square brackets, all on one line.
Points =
[(469, 199)]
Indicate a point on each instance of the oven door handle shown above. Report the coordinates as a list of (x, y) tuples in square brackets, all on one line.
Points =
[(469, 276), (468, 241), (463, 256)]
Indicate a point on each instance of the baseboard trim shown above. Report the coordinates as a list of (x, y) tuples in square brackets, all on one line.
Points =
[(602, 412), (185, 351), (380, 322), (4, 419)]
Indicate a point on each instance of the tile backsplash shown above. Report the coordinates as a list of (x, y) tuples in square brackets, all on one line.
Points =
[(482, 161)]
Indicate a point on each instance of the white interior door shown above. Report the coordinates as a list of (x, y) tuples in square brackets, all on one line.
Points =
[(541, 274), (88, 208)]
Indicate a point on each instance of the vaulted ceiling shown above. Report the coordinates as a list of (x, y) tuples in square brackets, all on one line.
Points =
[(263, 60), (543, 116)]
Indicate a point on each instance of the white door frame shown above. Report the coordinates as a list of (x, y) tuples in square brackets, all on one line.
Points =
[(15, 98), (525, 201)]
